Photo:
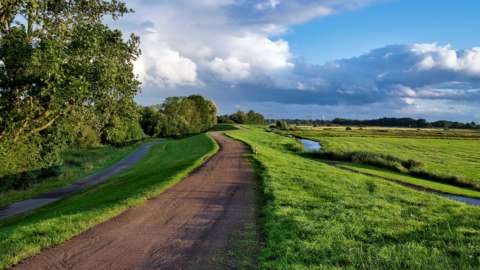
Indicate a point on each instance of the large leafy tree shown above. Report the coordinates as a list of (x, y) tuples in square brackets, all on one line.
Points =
[(58, 56), (60, 64)]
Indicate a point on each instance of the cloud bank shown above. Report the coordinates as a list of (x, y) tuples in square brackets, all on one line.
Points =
[(233, 51)]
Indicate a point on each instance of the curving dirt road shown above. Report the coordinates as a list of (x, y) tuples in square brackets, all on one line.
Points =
[(182, 228)]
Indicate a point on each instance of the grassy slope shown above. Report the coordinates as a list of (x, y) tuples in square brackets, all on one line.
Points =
[(165, 165), (78, 164), (319, 217)]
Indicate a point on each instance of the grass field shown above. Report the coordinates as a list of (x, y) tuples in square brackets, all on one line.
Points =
[(78, 163), (395, 176), (449, 156), (317, 216), (432, 133), (166, 164)]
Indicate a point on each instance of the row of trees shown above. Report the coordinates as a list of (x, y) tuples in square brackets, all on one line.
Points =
[(241, 117), (179, 116), (66, 79), (384, 122)]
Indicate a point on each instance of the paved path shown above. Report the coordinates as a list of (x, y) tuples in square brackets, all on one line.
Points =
[(182, 228), (57, 194)]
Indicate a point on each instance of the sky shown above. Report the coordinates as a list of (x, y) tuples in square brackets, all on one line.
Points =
[(314, 59)]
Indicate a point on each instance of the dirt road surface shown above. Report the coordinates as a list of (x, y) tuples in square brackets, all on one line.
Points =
[(182, 228)]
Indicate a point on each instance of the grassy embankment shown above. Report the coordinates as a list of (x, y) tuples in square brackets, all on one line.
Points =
[(317, 216), (166, 164), (78, 163)]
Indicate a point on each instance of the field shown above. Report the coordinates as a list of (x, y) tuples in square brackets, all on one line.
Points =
[(318, 216), (78, 163), (166, 164), (456, 154)]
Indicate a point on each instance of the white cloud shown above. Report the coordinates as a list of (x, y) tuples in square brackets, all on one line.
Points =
[(232, 49), (267, 4), (162, 66), (230, 69), (446, 58)]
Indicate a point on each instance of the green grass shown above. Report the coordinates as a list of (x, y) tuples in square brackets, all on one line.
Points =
[(412, 180), (317, 216), (223, 127), (445, 157), (166, 164), (432, 133), (78, 163)]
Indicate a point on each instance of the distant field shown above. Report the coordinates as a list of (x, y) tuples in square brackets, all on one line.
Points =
[(336, 131), (449, 156), (317, 216)]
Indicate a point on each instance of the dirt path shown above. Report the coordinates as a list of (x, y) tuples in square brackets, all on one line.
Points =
[(60, 193), (182, 228)]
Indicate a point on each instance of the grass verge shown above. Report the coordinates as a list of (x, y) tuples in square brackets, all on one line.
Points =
[(320, 217), (166, 164)]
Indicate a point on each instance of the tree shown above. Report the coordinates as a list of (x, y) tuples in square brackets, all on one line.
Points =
[(179, 116), (56, 62)]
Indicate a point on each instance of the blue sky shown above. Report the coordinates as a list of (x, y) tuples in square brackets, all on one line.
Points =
[(313, 58), (350, 34)]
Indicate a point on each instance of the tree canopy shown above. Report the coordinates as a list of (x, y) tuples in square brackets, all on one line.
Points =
[(62, 70), (179, 116), (241, 117)]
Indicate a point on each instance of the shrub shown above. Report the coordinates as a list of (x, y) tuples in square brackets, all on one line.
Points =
[(87, 137), (348, 128)]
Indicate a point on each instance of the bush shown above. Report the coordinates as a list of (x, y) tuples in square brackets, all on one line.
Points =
[(87, 137), (348, 128)]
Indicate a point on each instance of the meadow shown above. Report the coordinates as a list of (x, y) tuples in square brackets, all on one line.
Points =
[(454, 154), (166, 164), (318, 216)]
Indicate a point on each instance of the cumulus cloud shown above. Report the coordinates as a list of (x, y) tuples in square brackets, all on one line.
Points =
[(233, 50), (446, 58)]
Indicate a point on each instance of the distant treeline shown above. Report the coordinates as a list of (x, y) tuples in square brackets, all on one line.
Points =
[(179, 116), (241, 117), (383, 122)]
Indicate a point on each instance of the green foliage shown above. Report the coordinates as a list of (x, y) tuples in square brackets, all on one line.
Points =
[(223, 127), (241, 117), (282, 125), (318, 216), (64, 75), (179, 116)]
